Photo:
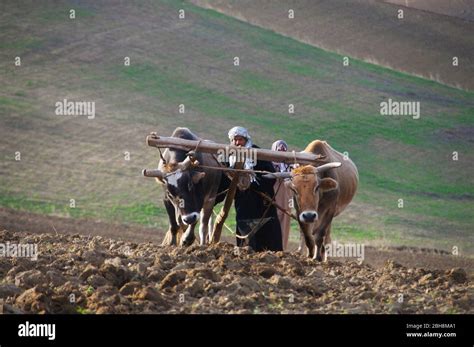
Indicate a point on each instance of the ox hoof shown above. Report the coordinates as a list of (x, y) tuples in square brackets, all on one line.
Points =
[(188, 241)]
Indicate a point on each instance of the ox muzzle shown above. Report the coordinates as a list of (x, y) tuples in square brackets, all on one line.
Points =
[(191, 218), (308, 216)]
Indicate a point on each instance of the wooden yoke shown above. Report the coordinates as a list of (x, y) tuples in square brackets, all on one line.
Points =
[(218, 148)]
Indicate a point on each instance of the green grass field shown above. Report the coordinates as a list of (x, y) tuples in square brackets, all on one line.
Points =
[(190, 62)]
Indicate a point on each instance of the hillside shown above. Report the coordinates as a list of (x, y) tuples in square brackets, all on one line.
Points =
[(190, 61), (419, 37)]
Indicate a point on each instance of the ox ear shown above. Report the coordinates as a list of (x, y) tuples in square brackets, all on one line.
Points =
[(198, 176), (328, 184)]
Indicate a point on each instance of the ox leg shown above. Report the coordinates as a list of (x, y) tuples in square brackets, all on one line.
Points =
[(171, 235), (206, 213), (188, 237), (321, 239), (302, 244), (319, 247), (203, 228), (327, 241), (211, 226), (306, 230)]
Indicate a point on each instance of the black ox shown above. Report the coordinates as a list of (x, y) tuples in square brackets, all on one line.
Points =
[(190, 192)]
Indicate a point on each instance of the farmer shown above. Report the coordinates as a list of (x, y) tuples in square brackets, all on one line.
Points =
[(254, 213), (282, 193)]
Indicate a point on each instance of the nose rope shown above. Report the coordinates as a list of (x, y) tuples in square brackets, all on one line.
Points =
[(197, 146), (161, 156)]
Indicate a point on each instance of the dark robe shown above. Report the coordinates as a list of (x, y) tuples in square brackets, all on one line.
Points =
[(250, 207)]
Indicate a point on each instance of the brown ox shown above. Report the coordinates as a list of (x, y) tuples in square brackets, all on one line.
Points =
[(320, 194)]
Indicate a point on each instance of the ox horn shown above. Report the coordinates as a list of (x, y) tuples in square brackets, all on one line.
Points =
[(328, 166), (153, 173), (187, 163), (278, 175)]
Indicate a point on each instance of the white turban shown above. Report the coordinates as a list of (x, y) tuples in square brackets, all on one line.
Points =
[(239, 131), (249, 163)]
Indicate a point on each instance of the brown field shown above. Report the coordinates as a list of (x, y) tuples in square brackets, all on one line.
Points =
[(110, 276), (422, 43), (376, 256), (463, 9)]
